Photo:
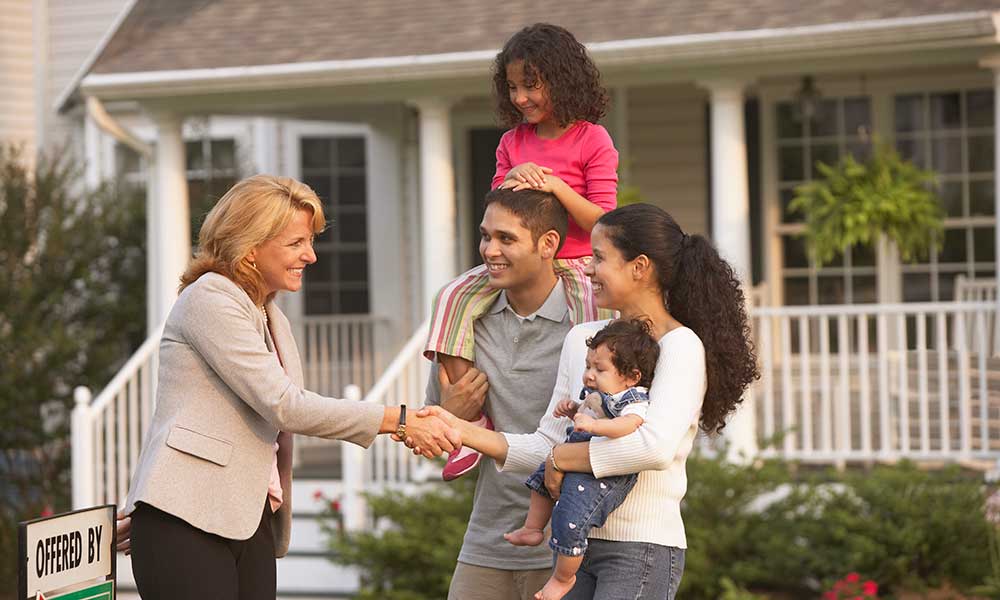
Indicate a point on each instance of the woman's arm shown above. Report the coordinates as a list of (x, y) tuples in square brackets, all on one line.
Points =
[(218, 325), (675, 402)]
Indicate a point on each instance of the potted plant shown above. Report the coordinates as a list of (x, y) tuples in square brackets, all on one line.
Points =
[(884, 198)]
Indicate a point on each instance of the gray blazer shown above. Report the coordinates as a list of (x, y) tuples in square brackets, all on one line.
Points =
[(222, 399)]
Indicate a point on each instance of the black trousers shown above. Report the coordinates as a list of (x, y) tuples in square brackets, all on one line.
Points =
[(172, 560)]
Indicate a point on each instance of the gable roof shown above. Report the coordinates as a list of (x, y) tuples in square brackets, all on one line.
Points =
[(200, 34), (170, 48)]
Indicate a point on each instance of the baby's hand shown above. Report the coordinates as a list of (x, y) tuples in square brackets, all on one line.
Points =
[(526, 175), (582, 422), (565, 408)]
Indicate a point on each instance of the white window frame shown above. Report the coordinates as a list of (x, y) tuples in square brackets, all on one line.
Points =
[(292, 134), (882, 91)]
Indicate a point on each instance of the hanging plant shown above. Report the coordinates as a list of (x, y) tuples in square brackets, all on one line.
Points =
[(854, 203)]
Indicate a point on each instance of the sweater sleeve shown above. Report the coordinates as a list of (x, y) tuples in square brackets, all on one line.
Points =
[(503, 159), (675, 397), (601, 169), (525, 451)]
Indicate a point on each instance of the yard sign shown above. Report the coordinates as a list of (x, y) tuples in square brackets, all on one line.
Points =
[(65, 551)]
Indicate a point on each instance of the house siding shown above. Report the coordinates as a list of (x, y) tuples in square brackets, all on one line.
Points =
[(666, 152), (74, 30), (17, 102)]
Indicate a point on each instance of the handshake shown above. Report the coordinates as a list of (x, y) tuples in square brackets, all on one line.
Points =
[(431, 431)]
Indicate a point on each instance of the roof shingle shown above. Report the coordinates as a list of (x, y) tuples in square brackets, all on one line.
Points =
[(195, 34)]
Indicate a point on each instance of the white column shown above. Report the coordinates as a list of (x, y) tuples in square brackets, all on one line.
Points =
[(437, 198), (167, 219), (93, 166), (996, 200), (731, 223)]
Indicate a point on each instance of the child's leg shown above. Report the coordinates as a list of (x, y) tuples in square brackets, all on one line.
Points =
[(454, 366), (450, 340), (579, 290), (456, 308), (563, 578), (533, 532)]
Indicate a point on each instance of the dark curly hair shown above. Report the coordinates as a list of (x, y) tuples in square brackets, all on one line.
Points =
[(552, 55), (702, 292), (632, 347)]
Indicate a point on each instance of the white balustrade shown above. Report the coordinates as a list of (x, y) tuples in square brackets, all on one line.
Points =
[(878, 382)]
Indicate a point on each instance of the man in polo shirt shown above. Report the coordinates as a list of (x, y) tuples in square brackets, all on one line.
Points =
[(518, 342)]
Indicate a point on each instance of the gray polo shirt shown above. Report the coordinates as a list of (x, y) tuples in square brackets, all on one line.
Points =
[(520, 357)]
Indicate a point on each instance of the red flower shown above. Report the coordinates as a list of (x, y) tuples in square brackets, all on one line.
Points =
[(858, 598), (318, 495), (870, 588), (830, 595), (852, 578), (335, 506), (839, 585)]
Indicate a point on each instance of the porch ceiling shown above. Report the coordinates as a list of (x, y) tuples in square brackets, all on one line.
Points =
[(394, 48)]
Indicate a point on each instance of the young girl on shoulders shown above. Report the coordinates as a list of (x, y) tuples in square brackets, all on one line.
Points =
[(548, 90)]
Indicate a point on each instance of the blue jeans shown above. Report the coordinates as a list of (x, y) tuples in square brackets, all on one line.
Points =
[(584, 502), (628, 571)]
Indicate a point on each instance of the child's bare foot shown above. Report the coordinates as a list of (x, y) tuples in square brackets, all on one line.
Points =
[(555, 589), (525, 536)]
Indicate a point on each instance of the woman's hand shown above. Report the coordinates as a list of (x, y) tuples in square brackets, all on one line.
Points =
[(430, 435), (553, 478), (123, 529), (566, 408), (526, 175)]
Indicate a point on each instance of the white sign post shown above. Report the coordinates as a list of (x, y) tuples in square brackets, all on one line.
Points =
[(63, 552)]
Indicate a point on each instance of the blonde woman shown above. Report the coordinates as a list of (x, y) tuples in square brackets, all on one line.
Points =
[(210, 501)]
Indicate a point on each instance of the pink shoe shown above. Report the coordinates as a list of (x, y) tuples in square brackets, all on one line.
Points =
[(462, 460)]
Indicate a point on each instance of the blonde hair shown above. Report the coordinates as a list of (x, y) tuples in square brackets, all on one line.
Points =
[(252, 212)]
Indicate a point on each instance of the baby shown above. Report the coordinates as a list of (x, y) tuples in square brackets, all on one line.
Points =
[(620, 363)]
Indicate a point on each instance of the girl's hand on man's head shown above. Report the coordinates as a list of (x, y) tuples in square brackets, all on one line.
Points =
[(527, 176)]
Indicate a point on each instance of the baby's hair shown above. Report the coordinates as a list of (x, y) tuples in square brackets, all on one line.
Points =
[(632, 348), (552, 55)]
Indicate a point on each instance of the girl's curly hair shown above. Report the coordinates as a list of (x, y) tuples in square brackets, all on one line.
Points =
[(553, 56), (702, 292)]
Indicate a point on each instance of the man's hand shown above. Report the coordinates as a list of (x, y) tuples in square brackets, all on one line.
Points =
[(582, 422), (123, 527), (465, 397), (566, 408)]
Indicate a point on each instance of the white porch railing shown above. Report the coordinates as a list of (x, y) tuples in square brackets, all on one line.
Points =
[(878, 382), (387, 464), (107, 433), (341, 350)]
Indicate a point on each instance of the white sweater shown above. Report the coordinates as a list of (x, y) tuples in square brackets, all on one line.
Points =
[(658, 450)]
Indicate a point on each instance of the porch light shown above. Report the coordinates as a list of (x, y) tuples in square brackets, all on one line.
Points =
[(807, 99)]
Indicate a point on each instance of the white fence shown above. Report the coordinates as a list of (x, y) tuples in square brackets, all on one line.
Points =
[(878, 382)]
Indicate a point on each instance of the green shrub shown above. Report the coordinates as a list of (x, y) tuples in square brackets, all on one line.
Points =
[(900, 526), (413, 558), (72, 309), (768, 529)]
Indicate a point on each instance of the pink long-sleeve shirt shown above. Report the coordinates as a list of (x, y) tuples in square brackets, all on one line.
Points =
[(584, 157)]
